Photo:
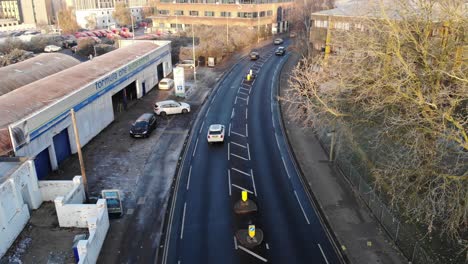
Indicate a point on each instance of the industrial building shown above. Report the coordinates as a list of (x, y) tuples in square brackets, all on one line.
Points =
[(36, 120)]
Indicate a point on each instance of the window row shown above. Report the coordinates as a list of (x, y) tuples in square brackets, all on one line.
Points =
[(225, 1), (221, 14)]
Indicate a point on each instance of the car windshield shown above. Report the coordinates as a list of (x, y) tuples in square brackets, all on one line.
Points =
[(141, 124), (215, 132), (163, 82)]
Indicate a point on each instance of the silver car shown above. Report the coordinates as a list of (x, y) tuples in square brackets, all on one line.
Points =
[(171, 107), (278, 41)]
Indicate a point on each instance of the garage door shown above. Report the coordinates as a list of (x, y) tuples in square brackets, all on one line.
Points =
[(62, 146), (42, 164)]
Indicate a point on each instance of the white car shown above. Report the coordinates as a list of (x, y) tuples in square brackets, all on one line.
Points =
[(166, 84), (215, 133), (278, 41), (171, 107), (52, 48)]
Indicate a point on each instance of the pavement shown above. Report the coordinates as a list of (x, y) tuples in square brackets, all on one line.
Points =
[(360, 236)]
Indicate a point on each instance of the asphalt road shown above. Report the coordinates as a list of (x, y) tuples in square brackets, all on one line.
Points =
[(254, 157)]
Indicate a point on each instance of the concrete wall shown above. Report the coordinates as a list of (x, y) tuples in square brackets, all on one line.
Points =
[(93, 107), (18, 194), (72, 191), (88, 250)]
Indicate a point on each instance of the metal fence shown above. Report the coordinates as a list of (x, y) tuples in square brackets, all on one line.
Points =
[(403, 235)]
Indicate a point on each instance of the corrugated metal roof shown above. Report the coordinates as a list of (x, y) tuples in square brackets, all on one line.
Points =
[(28, 99), (361, 8), (28, 71)]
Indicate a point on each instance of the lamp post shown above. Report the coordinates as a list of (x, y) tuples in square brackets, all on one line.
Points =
[(133, 28), (193, 53), (258, 23)]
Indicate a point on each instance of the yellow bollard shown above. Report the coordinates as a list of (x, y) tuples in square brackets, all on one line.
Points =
[(244, 196)]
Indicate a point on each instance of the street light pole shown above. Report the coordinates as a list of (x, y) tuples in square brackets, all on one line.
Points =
[(258, 23), (133, 28), (193, 52)]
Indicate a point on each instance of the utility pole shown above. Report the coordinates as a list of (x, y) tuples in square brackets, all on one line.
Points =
[(193, 53), (80, 155)]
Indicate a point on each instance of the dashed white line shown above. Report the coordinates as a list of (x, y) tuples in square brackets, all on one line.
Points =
[(240, 157), (229, 129), (244, 89), (253, 254), (229, 151), (183, 222), (240, 145), (246, 130), (195, 149), (243, 93), (248, 100), (229, 178), (243, 172), (248, 150), (189, 173), (238, 134), (246, 113), (242, 188), (253, 181), (286, 168), (302, 208), (323, 254), (201, 127), (267, 246), (232, 114), (209, 108), (235, 242), (277, 141)]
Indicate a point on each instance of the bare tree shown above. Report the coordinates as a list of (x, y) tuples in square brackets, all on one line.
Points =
[(67, 21), (122, 14), (396, 89), (91, 21)]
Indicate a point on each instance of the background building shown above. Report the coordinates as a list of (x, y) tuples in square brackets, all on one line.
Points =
[(180, 14)]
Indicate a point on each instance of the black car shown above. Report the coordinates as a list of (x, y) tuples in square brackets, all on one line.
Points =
[(143, 126), (280, 51)]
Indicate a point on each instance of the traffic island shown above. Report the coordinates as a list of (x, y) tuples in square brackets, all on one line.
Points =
[(241, 207), (248, 241)]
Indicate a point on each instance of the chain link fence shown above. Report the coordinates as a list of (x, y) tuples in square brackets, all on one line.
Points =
[(402, 234)]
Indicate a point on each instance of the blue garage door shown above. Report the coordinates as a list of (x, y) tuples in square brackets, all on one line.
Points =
[(42, 164), (62, 146)]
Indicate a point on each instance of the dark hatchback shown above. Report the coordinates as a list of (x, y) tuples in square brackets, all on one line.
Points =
[(143, 126)]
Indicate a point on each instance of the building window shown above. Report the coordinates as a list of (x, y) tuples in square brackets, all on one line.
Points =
[(211, 1), (163, 12), (103, 21), (225, 14), (246, 15), (269, 13), (262, 14), (179, 12), (321, 24), (209, 14), (193, 13), (161, 25)]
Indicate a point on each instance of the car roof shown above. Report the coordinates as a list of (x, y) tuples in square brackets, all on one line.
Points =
[(216, 127), (144, 117), (166, 80), (166, 102)]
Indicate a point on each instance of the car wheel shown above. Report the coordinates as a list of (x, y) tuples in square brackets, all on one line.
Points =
[(184, 111), (162, 114)]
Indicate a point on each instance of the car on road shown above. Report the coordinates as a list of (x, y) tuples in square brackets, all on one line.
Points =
[(166, 84), (52, 48), (143, 126), (254, 55), (280, 51), (278, 41), (171, 107), (292, 34), (215, 133)]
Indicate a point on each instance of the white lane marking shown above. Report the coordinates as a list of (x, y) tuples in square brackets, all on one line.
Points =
[(246, 113), (302, 208), (242, 188), (201, 127), (248, 150), (243, 93), (237, 134), (209, 108), (195, 149), (229, 151), (235, 242), (188, 181), (240, 145), (277, 141), (248, 100), (267, 246), (232, 114), (243, 172), (286, 168), (237, 156), (246, 130), (253, 181), (178, 262), (229, 178), (244, 89), (235, 101), (183, 222), (323, 254), (253, 254), (229, 129)]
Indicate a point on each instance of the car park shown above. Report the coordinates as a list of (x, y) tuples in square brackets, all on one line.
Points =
[(280, 51), (278, 41), (143, 126), (52, 48), (166, 84), (254, 55), (215, 133), (171, 107)]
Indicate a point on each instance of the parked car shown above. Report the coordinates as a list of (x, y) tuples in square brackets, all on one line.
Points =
[(185, 63), (254, 55), (278, 41), (280, 51), (215, 133), (171, 107), (166, 84), (143, 126), (292, 34), (52, 48)]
